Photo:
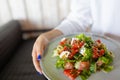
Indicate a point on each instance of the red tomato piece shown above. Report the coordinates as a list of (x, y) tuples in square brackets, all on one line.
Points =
[(75, 46), (65, 48), (63, 42), (95, 56), (81, 43), (73, 52), (95, 53), (102, 51), (99, 41), (72, 73)]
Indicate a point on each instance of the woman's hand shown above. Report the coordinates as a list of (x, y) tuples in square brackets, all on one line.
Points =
[(38, 49), (40, 45)]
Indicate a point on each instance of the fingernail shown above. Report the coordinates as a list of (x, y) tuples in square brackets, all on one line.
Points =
[(39, 57), (39, 73)]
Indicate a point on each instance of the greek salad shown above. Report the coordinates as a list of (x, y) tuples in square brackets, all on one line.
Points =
[(81, 56)]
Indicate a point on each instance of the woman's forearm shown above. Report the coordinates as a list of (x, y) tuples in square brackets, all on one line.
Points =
[(52, 34)]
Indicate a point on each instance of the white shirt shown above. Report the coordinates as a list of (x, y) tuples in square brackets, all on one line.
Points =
[(102, 15)]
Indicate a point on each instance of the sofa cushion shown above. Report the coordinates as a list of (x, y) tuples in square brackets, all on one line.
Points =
[(10, 37), (20, 67)]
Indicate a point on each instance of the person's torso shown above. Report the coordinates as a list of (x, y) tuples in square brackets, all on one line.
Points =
[(106, 16)]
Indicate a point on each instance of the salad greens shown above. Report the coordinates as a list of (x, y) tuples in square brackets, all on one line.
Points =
[(82, 56)]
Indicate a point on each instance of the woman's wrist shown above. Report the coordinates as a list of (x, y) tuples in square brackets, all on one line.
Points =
[(52, 34)]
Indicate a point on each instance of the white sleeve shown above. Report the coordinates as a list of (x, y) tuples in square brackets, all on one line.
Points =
[(79, 18)]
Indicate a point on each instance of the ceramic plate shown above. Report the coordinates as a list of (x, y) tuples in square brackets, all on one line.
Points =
[(52, 73)]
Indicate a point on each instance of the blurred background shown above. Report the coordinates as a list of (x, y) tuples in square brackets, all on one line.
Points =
[(21, 21), (34, 14), (43, 14)]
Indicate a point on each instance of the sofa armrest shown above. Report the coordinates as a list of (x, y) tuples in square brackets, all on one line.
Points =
[(10, 37)]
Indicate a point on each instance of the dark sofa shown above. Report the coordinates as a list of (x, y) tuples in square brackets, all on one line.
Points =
[(15, 54)]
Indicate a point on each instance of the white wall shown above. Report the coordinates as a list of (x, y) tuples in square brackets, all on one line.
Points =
[(43, 13)]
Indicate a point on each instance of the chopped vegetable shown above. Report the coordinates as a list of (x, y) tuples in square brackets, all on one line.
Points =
[(72, 73), (93, 67)]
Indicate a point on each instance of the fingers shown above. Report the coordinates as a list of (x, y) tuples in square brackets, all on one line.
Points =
[(37, 66), (36, 62), (36, 54)]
